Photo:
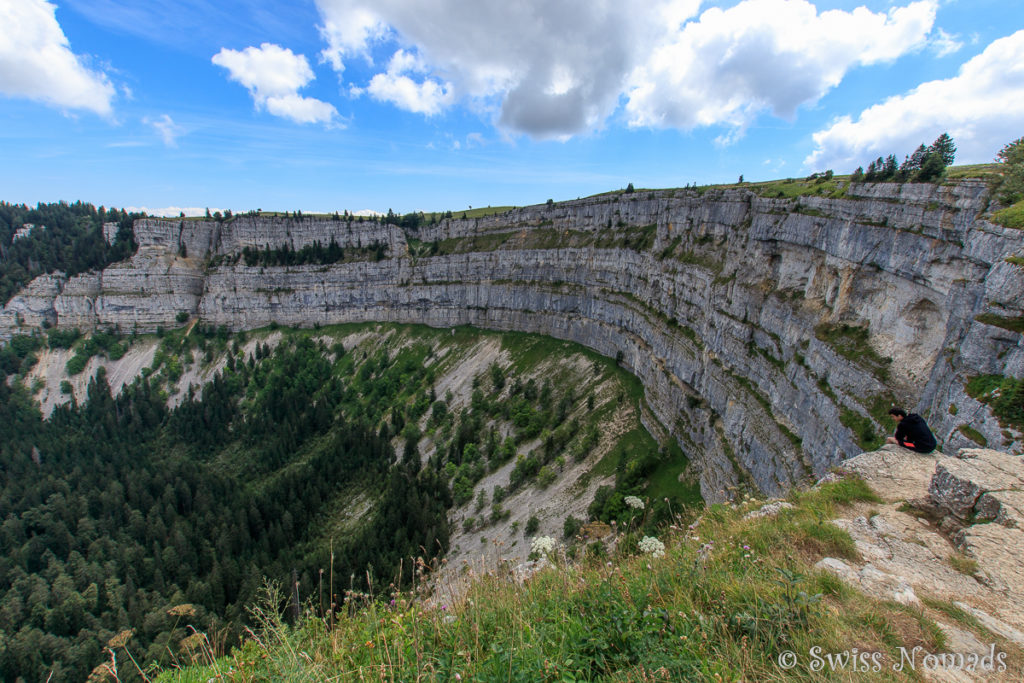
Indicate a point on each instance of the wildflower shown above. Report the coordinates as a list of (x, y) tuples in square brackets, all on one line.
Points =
[(542, 545), (121, 639), (634, 502), (192, 642), (652, 546), (185, 610)]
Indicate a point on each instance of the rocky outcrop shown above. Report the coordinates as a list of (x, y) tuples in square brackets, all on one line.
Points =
[(729, 306), (979, 483), (907, 553), (204, 238)]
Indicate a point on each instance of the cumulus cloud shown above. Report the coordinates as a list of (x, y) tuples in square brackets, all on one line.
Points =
[(558, 69), (36, 61), (774, 55), (167, 128), (547, 69), (981, 108), (274, 75), (396, 86)]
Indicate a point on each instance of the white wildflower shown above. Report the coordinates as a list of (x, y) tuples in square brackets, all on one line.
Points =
[(652, 546), (634, 502), (543, 545)]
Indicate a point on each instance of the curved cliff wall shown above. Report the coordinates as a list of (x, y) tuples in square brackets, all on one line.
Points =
[(758, 326)]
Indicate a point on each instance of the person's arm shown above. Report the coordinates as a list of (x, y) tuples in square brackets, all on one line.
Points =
[(901, 433)]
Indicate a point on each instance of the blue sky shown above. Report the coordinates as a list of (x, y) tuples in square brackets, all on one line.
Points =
[(325, 105)]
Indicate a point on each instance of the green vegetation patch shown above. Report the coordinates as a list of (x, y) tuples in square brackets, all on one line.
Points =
[(1005, 322), (1011, 216), (461, 245), (982, 171), (852, 342), (469, 213), (18, 355), (833, 187), (973, 434), (1004, 395)]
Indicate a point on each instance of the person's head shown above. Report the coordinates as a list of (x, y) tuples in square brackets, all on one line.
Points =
[(897, 413)]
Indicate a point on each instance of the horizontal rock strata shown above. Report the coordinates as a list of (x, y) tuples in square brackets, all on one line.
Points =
[(729, 306)]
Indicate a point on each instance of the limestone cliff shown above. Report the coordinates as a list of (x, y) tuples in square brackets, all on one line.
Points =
[(758, 325)]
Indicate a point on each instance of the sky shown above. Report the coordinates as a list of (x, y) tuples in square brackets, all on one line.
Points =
[(410, 105)]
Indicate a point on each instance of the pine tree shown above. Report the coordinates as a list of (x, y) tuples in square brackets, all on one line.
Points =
[(945, 148), (1011, 156)]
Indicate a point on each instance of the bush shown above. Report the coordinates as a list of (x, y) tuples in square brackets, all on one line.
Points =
[(63, 339), (76, 364), (181, 317), (532, 525), (546, 477), (571, 526)]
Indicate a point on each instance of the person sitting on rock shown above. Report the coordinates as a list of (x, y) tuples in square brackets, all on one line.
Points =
[(911, 432)]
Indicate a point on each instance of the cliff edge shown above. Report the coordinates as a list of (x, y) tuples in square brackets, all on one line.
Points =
[(771, 333)]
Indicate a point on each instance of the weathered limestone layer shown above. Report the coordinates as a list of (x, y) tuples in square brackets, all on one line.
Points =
[(721, 302)]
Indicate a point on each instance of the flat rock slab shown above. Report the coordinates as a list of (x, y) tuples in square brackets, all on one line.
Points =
[(872, 581), (902, 546), (997, 550), (895, 473)]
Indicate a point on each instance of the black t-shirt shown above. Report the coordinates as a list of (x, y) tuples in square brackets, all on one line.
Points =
[(912, 432)]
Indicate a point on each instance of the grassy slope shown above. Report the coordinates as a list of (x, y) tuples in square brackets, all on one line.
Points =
[(728, 597)]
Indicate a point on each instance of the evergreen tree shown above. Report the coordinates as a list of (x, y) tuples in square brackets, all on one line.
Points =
[(944, 148), (1011, 157)]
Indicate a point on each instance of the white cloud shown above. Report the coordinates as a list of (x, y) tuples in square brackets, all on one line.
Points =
[(426, 97), (273, 76), (981, 108), (546, 69), (944, 44), (36, 61), (774, 55), (167, 128), (553, 70), (301, 109)]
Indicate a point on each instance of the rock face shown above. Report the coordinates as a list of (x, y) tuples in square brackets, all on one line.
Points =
[(907, 554), (980, 483), (730, 307)]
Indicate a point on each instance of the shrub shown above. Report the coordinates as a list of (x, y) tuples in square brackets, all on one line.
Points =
[(63, 339), (532, 525), (571, 526), (546, 477), (76, 364)]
